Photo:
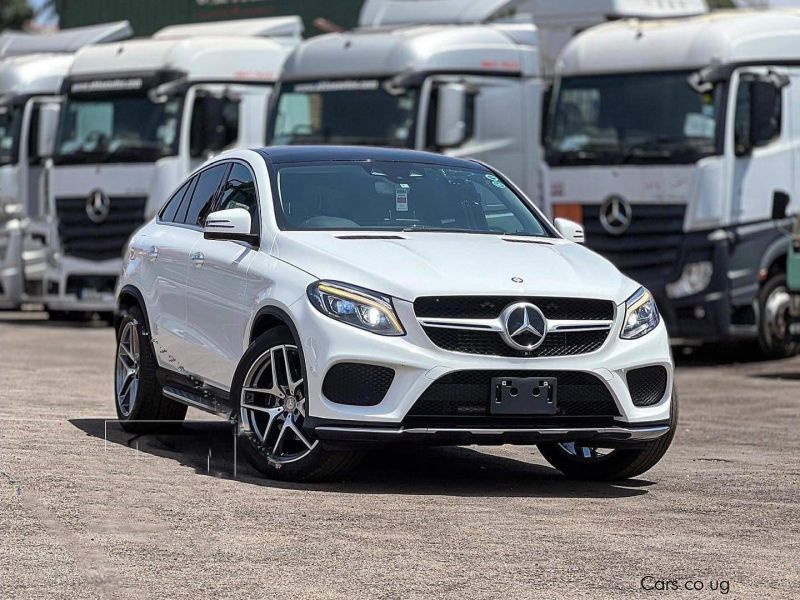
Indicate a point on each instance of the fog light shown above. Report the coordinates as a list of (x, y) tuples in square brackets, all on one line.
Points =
[(694, 278)]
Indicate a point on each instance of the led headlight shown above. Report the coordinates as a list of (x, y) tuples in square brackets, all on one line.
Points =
[(355, 306), (641, 315)]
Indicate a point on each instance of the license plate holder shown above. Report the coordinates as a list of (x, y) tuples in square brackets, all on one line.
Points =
[(524, 396)]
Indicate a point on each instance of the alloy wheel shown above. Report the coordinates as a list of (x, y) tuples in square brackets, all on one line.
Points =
[(273, 405), (127, 372), (585, 453)]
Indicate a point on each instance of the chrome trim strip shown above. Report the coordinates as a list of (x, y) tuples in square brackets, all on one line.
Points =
[(643, 433), (497, 324)]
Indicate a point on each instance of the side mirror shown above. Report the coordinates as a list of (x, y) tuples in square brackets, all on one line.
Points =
[(765, 112), (451, 113), (570, 230), (232, 224), (47, 128)]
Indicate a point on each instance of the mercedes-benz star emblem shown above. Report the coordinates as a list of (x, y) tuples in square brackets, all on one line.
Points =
[(97, 206), (524, 326), (615, 215)]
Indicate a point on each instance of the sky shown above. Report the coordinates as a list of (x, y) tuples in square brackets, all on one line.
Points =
[(48, 20)]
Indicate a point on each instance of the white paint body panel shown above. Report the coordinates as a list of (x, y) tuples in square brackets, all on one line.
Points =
[(224, 296)]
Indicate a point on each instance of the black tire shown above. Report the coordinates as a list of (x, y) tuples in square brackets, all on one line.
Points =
[(774, 339), (622, 463), (320, 463), (150, 411)]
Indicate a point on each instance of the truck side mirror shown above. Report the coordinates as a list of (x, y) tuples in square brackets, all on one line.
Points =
[(47, 129), (451, 114), (765, 112), (570, 230)]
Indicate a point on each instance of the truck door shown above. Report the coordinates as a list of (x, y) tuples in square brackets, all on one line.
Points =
[(492, 119), (224, 117), (759, 142)]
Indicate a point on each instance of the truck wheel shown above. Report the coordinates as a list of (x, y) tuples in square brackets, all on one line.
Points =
[(273, 404), (141, 407), (609, 464), (774, 300)]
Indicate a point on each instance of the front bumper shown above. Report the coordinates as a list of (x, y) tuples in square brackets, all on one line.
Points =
[(417, 364), (364, 433), (73, 284)]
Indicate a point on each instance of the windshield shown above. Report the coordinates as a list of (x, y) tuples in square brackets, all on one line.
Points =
[(10, 127), (641, 117), (117, 129), (400, 196), (358, 112)]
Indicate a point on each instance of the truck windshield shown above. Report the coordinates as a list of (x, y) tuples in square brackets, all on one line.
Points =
[(631, 118), (117, 128), (399, 196), (359, 112), (10, 127)]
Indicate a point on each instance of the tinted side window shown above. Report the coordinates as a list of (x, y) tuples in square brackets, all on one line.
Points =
[(741, 123), (240, 192), (171, 207), (208, 183)]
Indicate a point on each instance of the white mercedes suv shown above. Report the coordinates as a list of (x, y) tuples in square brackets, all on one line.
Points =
[(325, 299)]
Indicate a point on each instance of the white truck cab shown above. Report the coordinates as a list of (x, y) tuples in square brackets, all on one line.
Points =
[(32, 68), (465, 78), (137, 117), (676, 145)]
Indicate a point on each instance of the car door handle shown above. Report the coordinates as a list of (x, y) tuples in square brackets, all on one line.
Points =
[(152, 254), (197, 259)]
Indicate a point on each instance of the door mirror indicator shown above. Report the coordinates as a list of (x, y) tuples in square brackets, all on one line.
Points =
[(570, 230), (232, 224)]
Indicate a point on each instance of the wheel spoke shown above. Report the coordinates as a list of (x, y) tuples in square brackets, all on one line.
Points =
[(278, 441), (274, 391), (292, 383), (296, 430)]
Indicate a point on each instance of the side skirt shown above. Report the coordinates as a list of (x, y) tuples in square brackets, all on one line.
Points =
[(193, 392)]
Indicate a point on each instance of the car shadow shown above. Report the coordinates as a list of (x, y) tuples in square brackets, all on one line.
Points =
[(710, 355), (41, 319), (787, 376), (208, 447)]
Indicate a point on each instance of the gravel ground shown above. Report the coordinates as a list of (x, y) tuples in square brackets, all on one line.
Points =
[(91, 512)]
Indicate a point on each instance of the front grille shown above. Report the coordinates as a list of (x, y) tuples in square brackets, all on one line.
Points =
[(649, 249), (83, 238), (490, 307), (469, 394), (647, 385), (357, 384), (490, 343)]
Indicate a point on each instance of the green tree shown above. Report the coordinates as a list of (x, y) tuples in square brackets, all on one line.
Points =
[(14, 14)]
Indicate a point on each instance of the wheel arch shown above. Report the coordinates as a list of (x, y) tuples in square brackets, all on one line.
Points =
[(774, 259), (130, 296), (269, 317)]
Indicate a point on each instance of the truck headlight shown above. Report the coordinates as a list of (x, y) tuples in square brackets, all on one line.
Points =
[(355, 306), (641, 315), (695, 277)]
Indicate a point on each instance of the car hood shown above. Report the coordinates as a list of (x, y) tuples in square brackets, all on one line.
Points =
[(410, 265)]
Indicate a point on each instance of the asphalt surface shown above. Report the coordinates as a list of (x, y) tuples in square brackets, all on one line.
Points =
[(89, 511)]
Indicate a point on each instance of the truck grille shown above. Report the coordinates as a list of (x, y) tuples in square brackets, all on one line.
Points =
[(649, 249), (83, 238)]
